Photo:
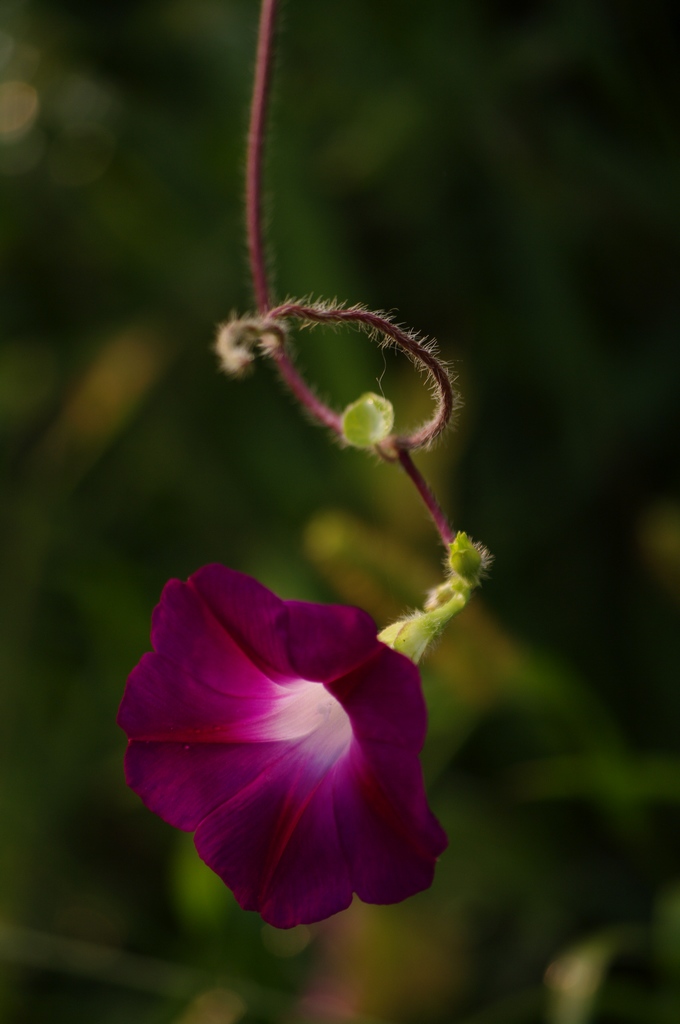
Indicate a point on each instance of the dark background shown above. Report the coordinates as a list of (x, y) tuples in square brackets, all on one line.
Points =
[(505, 177)]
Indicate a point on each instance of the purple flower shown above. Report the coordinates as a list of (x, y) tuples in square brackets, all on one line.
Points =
[(287, 736)]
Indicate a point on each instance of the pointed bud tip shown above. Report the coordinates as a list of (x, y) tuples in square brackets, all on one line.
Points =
[(468, 560)]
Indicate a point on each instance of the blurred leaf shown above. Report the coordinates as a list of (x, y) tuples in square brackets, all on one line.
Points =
[(201, 899), (99, 404)]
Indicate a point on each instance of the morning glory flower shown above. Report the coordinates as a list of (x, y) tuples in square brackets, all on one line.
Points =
[(286, 736)]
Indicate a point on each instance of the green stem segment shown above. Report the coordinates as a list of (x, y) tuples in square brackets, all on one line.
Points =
[(413, 635)]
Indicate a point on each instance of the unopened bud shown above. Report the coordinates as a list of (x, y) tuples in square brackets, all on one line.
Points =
[(368, 421), (467, 560)]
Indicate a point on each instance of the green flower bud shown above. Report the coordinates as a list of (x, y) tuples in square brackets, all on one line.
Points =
[(466, 560), (368, 421)]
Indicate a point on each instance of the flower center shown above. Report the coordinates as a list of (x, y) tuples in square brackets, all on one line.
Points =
[(308, 708)]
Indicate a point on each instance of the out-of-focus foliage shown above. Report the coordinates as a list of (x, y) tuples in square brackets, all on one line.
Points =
[(506, 176)]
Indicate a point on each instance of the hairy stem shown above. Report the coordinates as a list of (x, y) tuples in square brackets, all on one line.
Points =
[(326, 416), (440, 521), (256, 138), (421, 355)]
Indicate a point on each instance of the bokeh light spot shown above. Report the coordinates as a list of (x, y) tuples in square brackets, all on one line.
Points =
[(19, 107), (216, 1006)]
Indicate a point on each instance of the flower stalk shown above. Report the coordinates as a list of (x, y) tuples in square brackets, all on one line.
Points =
[(426, 493)]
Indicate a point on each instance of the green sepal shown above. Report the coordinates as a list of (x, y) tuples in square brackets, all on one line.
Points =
[(412, 636)]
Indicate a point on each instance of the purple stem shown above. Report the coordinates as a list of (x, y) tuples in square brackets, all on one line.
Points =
[(256, 132), (440, 521), (304, 394)]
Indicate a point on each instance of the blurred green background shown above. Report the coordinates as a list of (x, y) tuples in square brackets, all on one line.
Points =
[(505, 176)]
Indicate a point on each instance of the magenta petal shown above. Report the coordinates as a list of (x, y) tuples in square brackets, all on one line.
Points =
[(183, 782), (312, 879), (251, 614), (186, 631), (384, 700), (327, 641), (163, 701), (390, 838), (283, 858)]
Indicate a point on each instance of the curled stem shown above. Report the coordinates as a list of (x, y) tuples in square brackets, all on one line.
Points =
[(395, 448), (420, 354)]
